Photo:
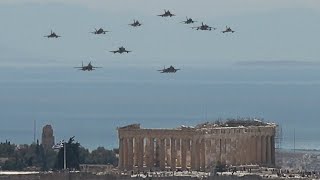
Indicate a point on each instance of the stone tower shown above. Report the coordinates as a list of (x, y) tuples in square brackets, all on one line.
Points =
[(47, 137)]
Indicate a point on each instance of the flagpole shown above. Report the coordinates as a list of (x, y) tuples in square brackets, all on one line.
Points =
[(64, 156)]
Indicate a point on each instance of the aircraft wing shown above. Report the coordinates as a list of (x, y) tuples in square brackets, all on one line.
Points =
[(96, 67), (114, 51), (161, 15)]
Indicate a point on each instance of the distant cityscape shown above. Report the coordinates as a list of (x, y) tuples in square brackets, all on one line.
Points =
[(238, 146)]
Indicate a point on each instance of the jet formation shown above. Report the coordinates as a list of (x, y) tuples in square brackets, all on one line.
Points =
[(204, 27), (167, 13), (52, 35), (99, 31), (121, 50), (89, 67), (135, 23), (170, 69), (188, 21), (228, 29)]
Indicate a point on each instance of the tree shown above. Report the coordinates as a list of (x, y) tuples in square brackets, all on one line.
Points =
[(6, 149), (73, 160), (102, 156)]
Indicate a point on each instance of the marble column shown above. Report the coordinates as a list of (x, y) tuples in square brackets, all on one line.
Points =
[(238, 150), (130, 154), (195, 155), (253, 149), (168, 151), (141, 152), (233, 153), (213, 151), (188, 153), (203, 155), (173, 154), (228, 151), (273, 158), (268, 140), (247, 150), (259, 149), (136, 152), (162, 154), (121, 153), (125, 152), (150, 147), (183, 154), (243, 150), (178, 152), (263, 150), (208, 153)]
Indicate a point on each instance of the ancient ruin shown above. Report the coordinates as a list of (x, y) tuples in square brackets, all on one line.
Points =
[(234, 142)]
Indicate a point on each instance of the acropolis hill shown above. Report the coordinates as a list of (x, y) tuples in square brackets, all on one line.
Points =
[(234, 142)]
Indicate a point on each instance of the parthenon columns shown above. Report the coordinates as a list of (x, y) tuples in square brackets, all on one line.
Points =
[(173, 153), (141, 149), (162, 154), (184, 154)]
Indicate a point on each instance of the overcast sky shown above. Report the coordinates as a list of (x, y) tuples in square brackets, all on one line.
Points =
[(265, 30)]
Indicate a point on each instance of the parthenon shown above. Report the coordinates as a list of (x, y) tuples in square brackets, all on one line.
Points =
[(197, 148)]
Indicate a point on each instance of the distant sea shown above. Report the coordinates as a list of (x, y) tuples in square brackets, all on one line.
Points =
[(91, 105)]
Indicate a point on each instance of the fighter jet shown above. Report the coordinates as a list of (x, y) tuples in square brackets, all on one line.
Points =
[(204, 27), (170, 69), (99, 31), (188, 21), (89, 67), (228, 29), (120, 50), (166, 14), (52, 35), (135, 23)]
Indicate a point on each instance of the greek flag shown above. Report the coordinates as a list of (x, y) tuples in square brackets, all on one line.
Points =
[(59, 145)]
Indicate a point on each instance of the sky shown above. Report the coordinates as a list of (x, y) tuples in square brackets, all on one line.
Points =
[(267, 68), (270, 30)]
